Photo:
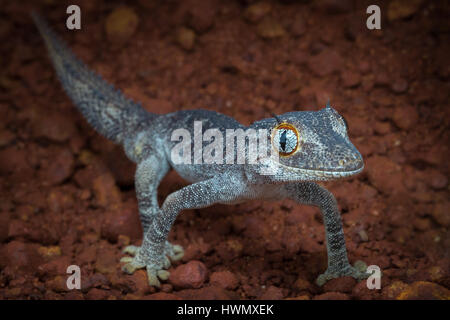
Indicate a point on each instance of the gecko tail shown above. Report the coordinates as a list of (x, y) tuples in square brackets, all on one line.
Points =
[(104, 107)]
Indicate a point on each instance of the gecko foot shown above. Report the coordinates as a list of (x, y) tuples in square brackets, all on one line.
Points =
[(358, 271), (155, 265)]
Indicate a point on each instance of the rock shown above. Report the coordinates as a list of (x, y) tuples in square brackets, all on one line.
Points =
[(332, 296), (13, 159), (57, 169), (441, 213), (53, 126), (207, 293), (269, 28), (4, 225), (185, 37), (18, 229), (230, 249), (382, 127), (358, 126), (325, 63), (94, 281), (437, 180), (255, 227), (298, 27), (440, 273), (422, 224), (400, 9), (88, 255), (106, 261), (106, 191), (333, 6), (424, 290), (162, 296), (123, 241), (139, 282), (301, 284), (302, 297), (85, 177), (272, 293), (190, 275), (385, 175), (49, 252), (405, 117), (20, 256), (55, 267), (224, 279), (123, 221), (97, 294), (201, 14), (6, 137), (343, 284), (399, 86), (73, 295), (59, 200), (350, 79), (121, 24), (195, 250), (57, 284), (361, 292), (257, 11)]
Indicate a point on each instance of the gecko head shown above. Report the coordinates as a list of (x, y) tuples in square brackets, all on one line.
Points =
[(312, 146)]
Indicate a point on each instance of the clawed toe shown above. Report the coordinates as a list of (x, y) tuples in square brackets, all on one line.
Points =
[(131, 250), (174, 252), (163, 274), (126, 259), (153, 276), (131, 265), (178, 253)]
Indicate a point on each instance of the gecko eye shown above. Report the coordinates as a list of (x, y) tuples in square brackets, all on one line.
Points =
[(285, 139)]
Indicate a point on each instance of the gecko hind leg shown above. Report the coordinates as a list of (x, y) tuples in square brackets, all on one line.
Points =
[(149, 173)]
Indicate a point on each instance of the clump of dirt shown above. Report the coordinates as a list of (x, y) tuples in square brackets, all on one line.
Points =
[(67, 195)]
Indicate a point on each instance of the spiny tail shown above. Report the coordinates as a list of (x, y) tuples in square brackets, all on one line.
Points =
[(106, 109)]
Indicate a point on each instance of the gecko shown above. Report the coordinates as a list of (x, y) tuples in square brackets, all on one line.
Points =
[(312, 146)]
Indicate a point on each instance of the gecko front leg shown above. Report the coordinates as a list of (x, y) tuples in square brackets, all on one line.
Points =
[(338, 265), (154, 250)]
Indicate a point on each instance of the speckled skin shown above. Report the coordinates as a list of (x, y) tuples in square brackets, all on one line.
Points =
[(325, 153)]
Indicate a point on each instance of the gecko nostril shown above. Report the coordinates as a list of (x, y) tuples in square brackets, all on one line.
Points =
[(341, 162)]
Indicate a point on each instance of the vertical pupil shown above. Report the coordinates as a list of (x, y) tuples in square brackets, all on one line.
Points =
[(283, 140)]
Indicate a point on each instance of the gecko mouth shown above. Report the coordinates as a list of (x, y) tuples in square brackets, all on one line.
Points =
[(322, 174)]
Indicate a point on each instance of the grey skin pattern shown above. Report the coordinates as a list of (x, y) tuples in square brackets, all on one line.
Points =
[(325, 153)]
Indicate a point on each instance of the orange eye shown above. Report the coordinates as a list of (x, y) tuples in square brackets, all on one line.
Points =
[(285, 139)]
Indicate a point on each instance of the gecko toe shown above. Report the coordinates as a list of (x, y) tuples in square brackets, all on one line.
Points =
[(174, 252), (132, 250), (126, 259), (153, 278), (132, 266), (163, 274), (166, 263)]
